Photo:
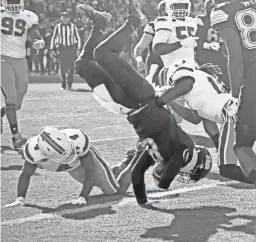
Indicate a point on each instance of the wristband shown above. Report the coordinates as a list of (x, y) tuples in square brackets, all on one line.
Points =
[(21, 199), (139, 59)]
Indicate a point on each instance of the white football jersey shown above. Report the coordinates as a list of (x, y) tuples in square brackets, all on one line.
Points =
[(14, 31), (170, 30), (33, 154), (207, 97)]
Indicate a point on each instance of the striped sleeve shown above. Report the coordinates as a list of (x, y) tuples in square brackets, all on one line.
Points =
[(218, 16), (150, 28), (54, 36), (163, 23), (77, 38)]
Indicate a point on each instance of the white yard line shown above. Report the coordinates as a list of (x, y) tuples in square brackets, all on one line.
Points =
[(134, 137), (124, 201)]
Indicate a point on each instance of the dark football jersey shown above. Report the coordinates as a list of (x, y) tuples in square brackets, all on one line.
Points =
[(240, 16)]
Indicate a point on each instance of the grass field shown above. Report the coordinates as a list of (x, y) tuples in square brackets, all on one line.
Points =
[(214, 209)]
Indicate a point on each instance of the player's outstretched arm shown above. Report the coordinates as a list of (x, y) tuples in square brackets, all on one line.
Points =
[(27, 171), (88, 183), (181, 88), (144, 42), (186, 113)]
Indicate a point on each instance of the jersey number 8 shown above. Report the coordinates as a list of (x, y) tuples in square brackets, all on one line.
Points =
[(246, 22), (11, 26)]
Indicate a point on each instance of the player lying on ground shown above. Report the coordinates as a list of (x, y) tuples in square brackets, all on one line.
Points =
[(236, 22), (17, 25), (70, 150), (132, 92)]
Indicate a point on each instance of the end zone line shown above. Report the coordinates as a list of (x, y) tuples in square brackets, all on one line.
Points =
[(124, 201)]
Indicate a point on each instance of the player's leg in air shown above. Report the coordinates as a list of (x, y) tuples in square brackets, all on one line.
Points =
[(14, 85), (87, 67)]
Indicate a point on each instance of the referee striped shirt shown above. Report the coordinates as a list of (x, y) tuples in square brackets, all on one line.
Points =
[(65, 35)]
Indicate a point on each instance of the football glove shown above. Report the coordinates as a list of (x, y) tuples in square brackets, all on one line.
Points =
[(142, 67), (78, 201), (38, 44), (20, 201), (189, 42), (211, 46), (232, 107)]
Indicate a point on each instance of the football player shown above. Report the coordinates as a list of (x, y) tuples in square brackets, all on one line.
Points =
[(211, 47), (236, 22), (175, 41), (227, 160), (146, 114), (17, 25), (70, 150), (153, 63)]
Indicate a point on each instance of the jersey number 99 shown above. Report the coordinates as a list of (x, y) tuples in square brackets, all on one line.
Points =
[(246, 22), (11, 26)]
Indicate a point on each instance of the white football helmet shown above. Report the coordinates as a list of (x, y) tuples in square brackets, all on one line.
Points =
[(178, 9), (56, 146), (13, 6)]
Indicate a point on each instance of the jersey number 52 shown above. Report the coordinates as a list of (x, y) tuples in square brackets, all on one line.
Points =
[(184, 32), (11, 26)]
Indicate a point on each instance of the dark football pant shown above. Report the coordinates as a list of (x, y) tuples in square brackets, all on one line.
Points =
[(88, 69)]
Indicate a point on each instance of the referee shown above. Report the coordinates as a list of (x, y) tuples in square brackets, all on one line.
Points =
[(67, 41)]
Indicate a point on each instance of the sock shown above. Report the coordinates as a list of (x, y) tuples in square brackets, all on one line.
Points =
[(252, 176), (12, 118), (2, 112), (215, 140), (14, 128), (235, 172)]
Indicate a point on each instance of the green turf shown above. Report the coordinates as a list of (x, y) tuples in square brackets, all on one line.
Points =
[(223, 213)]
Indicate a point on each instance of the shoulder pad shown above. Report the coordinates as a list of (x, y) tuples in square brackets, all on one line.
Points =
[(199, 21), (32, 152), (218, 16), (31, 17), (80, 140), (150, 28), (163, 23)]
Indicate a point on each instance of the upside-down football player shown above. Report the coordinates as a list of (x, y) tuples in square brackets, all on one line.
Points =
[(164, 144), (70, 150), (17, 25), (236, 22)]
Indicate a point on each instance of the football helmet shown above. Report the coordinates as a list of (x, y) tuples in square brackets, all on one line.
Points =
[(56, 146), (178, 9), (161, 8), (13, 6), (198, 167)]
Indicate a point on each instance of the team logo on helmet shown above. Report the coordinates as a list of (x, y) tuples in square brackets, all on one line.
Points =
[(56, 146)]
